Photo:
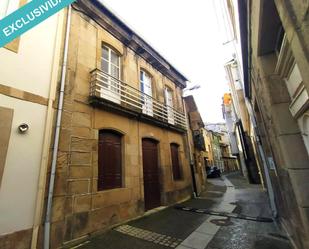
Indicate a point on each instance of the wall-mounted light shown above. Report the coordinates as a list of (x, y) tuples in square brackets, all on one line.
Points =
[(23, 128)]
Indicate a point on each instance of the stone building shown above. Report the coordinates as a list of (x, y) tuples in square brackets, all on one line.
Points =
[(208, 154), (214, 149), (229, 160), (123, 143), (275, 49), (221, 143), (197, 143)]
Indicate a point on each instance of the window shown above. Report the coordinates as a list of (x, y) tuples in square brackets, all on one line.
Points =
[(110, 65), (169, 103), (146, 88), (294, 81), (109, 160), (175, 162), (7, 7)]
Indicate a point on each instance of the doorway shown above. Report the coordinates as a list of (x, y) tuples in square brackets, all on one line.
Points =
[(152, 196)]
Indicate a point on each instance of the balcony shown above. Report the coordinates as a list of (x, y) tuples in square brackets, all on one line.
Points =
[(198, 139), (108, 92)]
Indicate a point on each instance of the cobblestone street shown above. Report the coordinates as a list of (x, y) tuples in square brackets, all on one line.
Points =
[(172, 228)]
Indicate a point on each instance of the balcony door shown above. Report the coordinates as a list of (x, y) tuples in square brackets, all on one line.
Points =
[(146, 89), (110, 78), (169, 103)]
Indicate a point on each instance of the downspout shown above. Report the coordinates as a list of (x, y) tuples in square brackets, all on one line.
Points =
[(57, 134), (195, 194), (48, 133)]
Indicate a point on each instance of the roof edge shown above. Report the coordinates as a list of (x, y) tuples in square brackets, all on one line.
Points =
[(104, 17)]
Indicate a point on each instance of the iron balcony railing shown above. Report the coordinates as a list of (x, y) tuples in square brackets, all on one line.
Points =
[(107, 87)]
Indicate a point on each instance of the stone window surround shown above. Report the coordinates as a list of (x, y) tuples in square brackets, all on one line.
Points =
[(123, 161), (285, 64), (153, 85), (181, 179)]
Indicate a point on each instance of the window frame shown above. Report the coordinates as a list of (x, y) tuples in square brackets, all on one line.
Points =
[(146, 99), (177, 176), (111, 85), (109, 61), (169, 109), (142, 71)]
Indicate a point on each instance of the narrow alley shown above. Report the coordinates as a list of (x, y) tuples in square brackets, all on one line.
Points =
[(154, 124), (185, 229)]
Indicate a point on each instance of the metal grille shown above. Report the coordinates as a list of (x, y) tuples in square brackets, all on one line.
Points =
[(107, 87)]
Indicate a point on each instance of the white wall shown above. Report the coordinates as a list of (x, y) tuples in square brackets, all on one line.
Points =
[(20, 178), (30, 69)]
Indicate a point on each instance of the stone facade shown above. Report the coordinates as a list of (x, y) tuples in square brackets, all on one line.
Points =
[(278, 91), (79, 209), (197, 143)]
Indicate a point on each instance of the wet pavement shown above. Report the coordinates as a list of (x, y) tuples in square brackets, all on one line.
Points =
[(173, 228), (244, 234)]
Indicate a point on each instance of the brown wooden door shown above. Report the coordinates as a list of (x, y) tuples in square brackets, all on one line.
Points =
[(151, 174), (109, 161)]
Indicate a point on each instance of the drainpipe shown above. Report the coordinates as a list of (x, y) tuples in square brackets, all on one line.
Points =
[(57, 134), (195, 194), (48, 133)]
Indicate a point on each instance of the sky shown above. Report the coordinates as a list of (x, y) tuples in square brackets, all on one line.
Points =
[(190, 36)]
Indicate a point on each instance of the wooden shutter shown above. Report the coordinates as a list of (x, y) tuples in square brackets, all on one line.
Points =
[(109, 161), (175, 162)]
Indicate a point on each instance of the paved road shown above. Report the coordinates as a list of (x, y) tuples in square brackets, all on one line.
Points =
[(172, 228)]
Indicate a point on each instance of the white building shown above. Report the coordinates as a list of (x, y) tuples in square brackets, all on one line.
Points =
[(29, 68)]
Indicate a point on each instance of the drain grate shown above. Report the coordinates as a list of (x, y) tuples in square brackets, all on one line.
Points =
[(224, 214), (150, 236)]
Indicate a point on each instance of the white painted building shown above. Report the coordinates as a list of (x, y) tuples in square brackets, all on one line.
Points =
[(29, 68)]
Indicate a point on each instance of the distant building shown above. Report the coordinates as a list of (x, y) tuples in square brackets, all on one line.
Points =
[(208, 154), (197, 142), (239, 125), (216, 148), (220, 145)]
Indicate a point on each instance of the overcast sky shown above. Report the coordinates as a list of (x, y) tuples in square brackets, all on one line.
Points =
[(188, 35)]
